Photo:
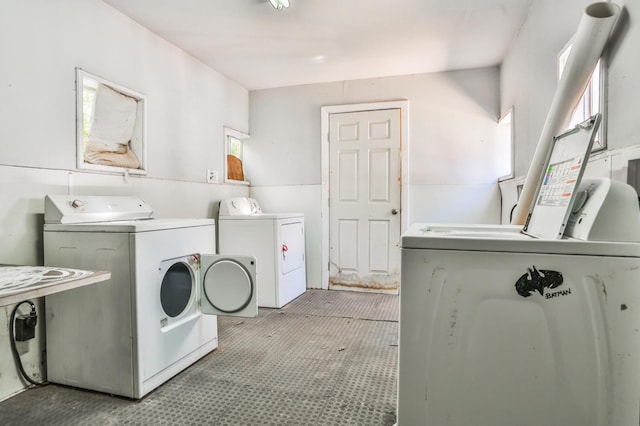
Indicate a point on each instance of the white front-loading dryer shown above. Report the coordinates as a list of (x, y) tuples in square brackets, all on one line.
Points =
[(276, 240), (157, 314)]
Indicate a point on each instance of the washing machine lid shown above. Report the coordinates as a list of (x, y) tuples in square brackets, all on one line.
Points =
[(506, 238), (560, 180), (228, 285)]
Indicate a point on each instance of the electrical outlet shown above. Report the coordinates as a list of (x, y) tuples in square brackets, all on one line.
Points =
[(212, 176)]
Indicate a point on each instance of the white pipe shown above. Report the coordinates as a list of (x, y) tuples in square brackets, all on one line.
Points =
[(588, 44)]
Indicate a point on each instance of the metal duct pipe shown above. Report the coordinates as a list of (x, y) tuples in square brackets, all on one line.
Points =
[(588, 44)]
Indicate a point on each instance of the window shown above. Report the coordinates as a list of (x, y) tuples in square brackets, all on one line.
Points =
[(592, 101), (505, 146), (234, 144), (110, 125)]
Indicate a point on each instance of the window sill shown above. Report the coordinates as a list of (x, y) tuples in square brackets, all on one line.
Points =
[(237, 182)]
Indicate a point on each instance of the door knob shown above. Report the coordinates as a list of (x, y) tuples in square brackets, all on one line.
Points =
[(394, 211)]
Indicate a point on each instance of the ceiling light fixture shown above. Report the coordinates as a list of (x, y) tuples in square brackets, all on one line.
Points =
[(279, 4)]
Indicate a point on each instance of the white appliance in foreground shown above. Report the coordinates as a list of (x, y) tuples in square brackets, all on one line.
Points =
[(157, 314), (277, 242), (501, 328)]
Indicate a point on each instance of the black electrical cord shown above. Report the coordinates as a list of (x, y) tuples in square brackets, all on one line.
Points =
[(512, 210), (14, 349)]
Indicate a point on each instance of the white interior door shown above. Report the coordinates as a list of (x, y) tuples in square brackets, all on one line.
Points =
[(364, 197)]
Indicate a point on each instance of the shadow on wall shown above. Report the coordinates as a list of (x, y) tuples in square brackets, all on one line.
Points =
[(619, 32), (214, 207), (21, 234), (483, 95)]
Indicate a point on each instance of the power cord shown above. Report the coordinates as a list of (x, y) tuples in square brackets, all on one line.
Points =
[(514, 207), (12, 339)]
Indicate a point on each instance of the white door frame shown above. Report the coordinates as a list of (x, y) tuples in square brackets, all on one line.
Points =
[(325, 111)]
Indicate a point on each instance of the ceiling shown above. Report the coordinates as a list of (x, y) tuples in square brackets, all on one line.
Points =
[(317, 41)]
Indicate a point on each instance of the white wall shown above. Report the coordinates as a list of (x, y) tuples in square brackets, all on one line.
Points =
[(41, 43), (452, 150), (529, 80)]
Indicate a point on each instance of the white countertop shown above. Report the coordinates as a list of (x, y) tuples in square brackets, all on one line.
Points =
[(18, 283)]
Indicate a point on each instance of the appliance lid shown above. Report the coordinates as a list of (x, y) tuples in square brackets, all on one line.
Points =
[(84, 208), (506, 238), (560, 180), (129, 225)]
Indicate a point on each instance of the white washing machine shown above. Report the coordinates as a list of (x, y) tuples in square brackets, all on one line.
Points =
[(500, 330), (277, 242), (502, 327), (157, 314)]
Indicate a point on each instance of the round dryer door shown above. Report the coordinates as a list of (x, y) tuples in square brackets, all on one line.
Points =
[(228, 285)]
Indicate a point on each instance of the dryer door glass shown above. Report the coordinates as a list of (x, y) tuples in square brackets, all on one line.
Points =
[(228, 285), (175, 291)]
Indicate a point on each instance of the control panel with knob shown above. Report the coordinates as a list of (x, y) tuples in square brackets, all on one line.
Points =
[(84, 209), (77, 204)]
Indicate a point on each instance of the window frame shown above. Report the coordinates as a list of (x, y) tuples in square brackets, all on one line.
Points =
[(510, 113), (599, 80), (232, 133), (89, 81)]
